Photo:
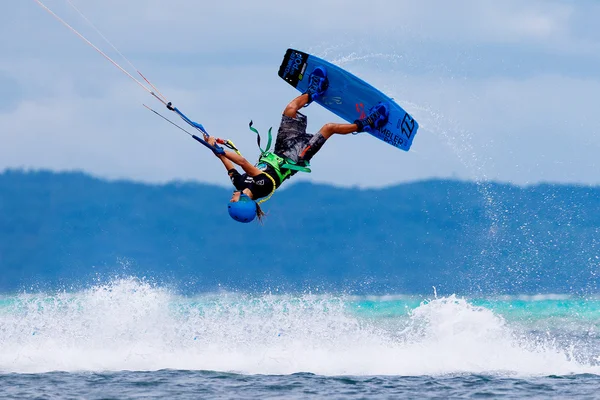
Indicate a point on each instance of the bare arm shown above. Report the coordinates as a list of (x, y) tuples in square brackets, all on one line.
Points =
[(228, 164), (231, 156)]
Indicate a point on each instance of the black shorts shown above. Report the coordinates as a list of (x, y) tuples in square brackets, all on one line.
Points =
[(292, 137)]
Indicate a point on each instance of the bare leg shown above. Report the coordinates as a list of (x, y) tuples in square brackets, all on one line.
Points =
[(319, 138), (296, 104), (331, 129)]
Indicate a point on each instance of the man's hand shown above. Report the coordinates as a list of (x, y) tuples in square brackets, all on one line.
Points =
[(218, 150)]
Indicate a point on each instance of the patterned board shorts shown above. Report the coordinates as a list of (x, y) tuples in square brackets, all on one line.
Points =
[(292, 137)]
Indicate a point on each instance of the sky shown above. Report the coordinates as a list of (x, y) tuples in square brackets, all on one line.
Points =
[(504, 91)]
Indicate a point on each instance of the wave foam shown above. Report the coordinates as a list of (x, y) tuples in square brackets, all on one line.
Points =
[(132, 325)]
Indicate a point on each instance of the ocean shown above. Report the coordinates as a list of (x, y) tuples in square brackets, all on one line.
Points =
[(130, 338)]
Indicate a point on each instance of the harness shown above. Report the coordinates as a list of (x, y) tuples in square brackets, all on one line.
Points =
[(283, 166)]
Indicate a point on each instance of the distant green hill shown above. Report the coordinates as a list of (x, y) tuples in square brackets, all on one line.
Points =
[(68, 229)]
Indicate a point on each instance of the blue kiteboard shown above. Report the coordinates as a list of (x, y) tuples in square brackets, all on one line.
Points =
[(349, 97)]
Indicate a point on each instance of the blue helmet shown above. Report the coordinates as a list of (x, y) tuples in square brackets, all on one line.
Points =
[(243, 210)]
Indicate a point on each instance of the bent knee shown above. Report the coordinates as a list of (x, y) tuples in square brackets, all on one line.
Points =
[(328, 129), (290, 110)]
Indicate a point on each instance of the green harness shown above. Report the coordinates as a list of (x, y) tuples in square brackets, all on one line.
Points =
[(283, 166)]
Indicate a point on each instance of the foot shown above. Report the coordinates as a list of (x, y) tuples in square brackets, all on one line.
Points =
[(317, 84), (377, 118)]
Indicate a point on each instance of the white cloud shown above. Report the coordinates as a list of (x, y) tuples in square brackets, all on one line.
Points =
[(218, 62), (196, 27)]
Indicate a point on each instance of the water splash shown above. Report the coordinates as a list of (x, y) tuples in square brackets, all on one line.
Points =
[(133, 325)]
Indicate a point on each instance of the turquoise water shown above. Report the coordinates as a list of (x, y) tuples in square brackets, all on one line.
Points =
[(133, 339)]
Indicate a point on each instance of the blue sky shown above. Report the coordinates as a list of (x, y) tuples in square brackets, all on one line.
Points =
[(505, 91)]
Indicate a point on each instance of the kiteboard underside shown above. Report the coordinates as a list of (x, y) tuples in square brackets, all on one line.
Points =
[(349, 97)]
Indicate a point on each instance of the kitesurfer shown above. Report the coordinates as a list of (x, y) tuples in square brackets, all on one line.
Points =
[(294, 148)]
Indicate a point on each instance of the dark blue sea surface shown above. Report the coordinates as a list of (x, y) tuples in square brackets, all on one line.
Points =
[(173, 384), (132, 339)]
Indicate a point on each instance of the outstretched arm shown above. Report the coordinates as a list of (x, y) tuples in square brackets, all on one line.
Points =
[(228, 164), (230, 158)]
